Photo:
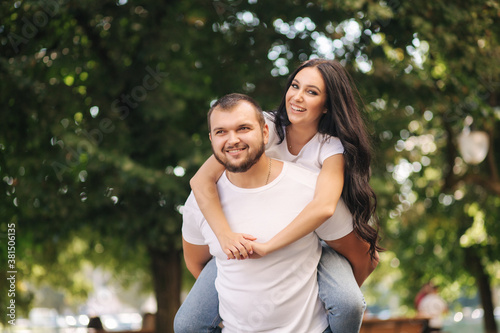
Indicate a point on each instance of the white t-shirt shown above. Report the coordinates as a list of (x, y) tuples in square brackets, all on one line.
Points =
[(279, 292), (311, 156)]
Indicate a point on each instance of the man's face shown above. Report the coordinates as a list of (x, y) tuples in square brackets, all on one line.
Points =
[(238, 141)]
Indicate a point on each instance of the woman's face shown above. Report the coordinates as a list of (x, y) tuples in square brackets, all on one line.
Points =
[(306, 98)]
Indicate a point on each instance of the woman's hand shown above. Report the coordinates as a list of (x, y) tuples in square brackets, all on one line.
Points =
[(236, 246), (260, 250)]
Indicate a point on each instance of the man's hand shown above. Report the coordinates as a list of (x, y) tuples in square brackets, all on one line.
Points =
[(236, 246)]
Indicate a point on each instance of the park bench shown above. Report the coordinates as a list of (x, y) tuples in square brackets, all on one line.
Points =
[(395, 325)]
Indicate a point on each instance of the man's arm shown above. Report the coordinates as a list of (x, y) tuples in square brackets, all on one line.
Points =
[(196, 257), (356, 252)]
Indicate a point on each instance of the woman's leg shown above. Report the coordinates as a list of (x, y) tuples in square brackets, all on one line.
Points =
[(200, 310), (339, 292)]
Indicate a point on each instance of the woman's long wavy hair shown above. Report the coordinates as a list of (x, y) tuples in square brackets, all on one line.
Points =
[(343, 120)]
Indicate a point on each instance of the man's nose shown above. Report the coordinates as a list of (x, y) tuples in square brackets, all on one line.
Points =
[(233, 138)]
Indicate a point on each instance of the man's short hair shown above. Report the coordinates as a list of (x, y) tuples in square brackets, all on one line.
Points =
[(227, 102)]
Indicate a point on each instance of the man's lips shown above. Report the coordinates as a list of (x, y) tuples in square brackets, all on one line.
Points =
[(234, 151)]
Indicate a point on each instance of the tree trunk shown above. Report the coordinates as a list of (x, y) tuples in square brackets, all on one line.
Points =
[(166, 268), (483, 283)]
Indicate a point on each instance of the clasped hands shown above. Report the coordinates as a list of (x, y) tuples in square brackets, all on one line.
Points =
[(242, 246)]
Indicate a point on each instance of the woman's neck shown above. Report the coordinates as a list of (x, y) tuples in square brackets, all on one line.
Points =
[(297, 137)]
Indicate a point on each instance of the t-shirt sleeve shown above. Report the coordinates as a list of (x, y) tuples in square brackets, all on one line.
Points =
[(273, 136), (330, 146), (192, 220), (337, 226)]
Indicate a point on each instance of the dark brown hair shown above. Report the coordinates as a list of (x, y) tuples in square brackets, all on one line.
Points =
[(343, 120), (227, 102)]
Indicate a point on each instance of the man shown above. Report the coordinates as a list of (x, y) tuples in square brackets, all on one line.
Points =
[(259, 196), (434, 307)]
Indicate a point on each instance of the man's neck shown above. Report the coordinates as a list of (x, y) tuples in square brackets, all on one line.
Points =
[(257, 176)]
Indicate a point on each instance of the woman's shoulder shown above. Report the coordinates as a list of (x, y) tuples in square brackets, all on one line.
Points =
[(330, 144), (328, 139)]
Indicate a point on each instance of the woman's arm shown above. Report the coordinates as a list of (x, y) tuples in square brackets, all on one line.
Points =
[(356, 252), (326, 196), (203, 184)]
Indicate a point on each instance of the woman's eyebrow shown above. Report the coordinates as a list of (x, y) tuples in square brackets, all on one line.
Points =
[(309, 85)]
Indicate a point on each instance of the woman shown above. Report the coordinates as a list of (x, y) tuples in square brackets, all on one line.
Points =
[(317, 113)]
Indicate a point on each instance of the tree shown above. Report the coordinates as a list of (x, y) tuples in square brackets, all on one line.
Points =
[(107, 105), (442, 69)]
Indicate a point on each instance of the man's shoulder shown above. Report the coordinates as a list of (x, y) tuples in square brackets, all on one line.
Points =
[(191, 203)]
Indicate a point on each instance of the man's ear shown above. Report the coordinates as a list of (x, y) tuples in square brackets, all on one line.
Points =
[(210, 136), (265, 134)]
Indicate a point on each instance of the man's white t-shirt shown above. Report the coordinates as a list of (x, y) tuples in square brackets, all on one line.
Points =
[(279, 292)]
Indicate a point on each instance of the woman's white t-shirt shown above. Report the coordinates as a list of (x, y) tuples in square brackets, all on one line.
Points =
[(311, 156)]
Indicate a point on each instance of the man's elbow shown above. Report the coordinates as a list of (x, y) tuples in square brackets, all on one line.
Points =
[(194, 269), (367, 268)]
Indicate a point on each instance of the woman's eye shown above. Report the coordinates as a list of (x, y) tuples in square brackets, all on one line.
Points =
[(294, 85), (312, 92)]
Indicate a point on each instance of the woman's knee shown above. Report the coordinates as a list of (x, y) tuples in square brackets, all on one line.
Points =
[(348, 305), (182, 322), (354, 305)]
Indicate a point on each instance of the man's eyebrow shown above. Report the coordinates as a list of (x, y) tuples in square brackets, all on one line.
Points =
[(238, 126), (217, 128), (246, 125), (309, 85)]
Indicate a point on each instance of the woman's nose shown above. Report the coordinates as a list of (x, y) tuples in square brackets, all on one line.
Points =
[(298, 95)]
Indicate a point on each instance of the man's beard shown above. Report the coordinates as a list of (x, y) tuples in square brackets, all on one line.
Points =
[(244, 165)]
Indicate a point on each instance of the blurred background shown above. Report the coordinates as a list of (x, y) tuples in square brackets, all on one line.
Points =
[(103, 122)]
